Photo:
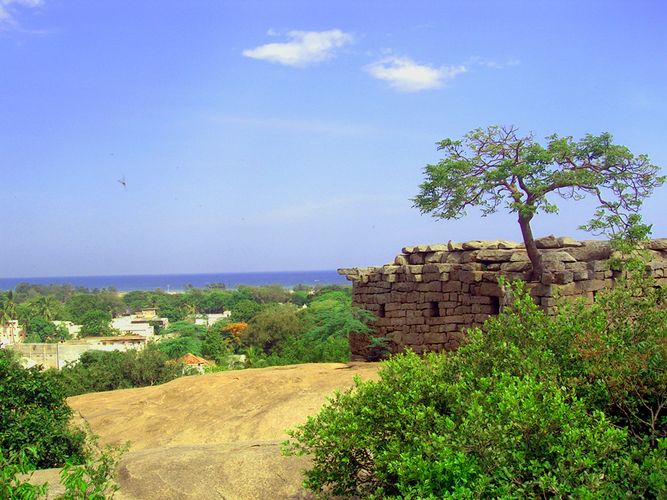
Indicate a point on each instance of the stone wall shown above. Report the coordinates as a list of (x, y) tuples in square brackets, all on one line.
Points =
[(58, 355), (430, 294)]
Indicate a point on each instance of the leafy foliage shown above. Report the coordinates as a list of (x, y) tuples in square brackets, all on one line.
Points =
[(34, 414), (16, 468), (94, 478), (530, 406), (495, 167), (272, 326), (245, 310), (106, 371), (96, 323), (42, 330)]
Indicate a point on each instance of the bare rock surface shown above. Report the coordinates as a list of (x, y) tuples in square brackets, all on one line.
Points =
[(213, 436)]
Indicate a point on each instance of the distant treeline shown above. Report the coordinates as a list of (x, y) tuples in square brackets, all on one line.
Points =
[(35, 306)]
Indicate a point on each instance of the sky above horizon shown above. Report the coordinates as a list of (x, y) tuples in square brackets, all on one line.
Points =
[(291, 135)]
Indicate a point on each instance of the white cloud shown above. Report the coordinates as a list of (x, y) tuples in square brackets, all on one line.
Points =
[(303, 47), (8, 8), (403, 74)]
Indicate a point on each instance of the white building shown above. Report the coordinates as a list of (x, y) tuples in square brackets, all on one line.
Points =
[(11, 333)]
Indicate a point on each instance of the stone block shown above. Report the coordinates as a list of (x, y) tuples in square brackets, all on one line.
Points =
[(430, 268), (591, 250), (470, 276), (519, 256), (415, 269), (576, 266), (401, 260), (467, 257), (488, 255), (592, 285), (563, 277), (438, 247), (658, 244), (514, 267), (451, 286), (509, 245), (434, 338), (547, 242), (566, 241), (428, 277), (453, 257), (557, 256), (404, 286), (473, 245), (433, 257), (453, 246), (416, 258), (490, 290)]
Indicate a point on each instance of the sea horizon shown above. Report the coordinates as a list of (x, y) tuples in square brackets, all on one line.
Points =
[(180, 281)]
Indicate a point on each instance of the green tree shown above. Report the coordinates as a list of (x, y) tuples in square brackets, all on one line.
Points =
[(96, 322), (7, 308), (34, 413), (48, 307), (41, 330), (186, 329), (245, 310), (273, 326), (79, 304), (496, 167), (215, 346), (180, 346), (106, 371), (300, 297)]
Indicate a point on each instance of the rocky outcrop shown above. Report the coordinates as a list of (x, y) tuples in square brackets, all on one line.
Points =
[(429, 294)]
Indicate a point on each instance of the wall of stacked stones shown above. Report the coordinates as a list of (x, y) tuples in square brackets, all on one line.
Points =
[(431, 294)]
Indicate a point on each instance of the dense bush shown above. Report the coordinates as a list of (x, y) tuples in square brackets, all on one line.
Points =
[(34, 414), (96, 323), (319, 333), (531, 405), (106, 371), (271, 327)]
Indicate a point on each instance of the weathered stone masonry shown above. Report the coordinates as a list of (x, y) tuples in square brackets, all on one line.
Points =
[(430, 294)]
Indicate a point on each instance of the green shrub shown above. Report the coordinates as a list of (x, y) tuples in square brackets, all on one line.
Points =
[(34, 414), (16, 469), (529, 406), (106, 371)]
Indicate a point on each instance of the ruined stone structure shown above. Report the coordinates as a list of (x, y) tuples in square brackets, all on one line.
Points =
[(430, 294)]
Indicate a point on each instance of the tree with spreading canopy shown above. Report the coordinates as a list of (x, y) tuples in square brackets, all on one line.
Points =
[(496, 166)]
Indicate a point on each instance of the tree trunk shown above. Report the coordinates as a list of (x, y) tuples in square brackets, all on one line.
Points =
[(533, 253)]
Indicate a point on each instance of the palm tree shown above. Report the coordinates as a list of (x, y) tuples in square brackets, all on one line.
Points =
[(44, 306), (8, 308)]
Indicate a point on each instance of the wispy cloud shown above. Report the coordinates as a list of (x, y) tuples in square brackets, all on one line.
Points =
[(8, 9), (405, 75), (302, 48), (489, 63)]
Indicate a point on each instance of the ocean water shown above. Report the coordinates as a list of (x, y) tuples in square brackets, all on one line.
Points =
[(178, 282)]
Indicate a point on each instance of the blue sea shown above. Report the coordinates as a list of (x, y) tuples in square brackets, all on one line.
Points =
[(178, 282)]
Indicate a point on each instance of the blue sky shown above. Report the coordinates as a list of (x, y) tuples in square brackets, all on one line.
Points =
[(287, 135)]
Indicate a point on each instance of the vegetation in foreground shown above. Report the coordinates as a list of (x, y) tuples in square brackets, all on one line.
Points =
[(531, 406), (37, 432)]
